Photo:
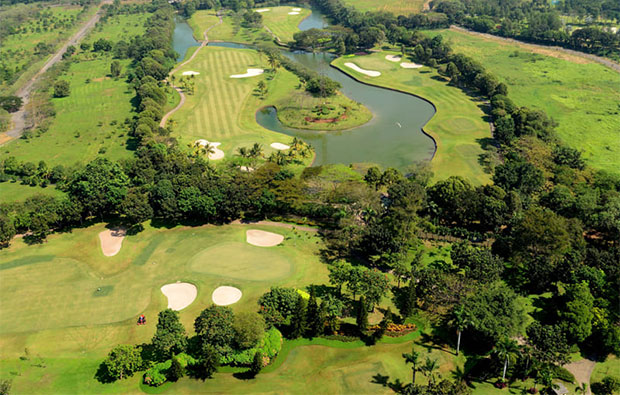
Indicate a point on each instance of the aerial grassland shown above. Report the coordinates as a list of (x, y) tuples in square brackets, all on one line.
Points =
[(396, 7), (580, 95)]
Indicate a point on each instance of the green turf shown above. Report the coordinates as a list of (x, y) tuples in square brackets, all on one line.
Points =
[(18, 49), (16, 191), (582, 96), (276, 19), (82, 129), (397, 7), (610, 367), (119, 27), (254, 263), (458, 126)]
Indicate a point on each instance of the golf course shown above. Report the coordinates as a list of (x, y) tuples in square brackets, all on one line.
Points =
[(334, 197)]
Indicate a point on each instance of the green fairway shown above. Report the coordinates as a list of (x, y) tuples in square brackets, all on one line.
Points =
[(87, 123), (396, 7), (253, 263), (277, 19), (458, 126), (582, 96), (16, 191)]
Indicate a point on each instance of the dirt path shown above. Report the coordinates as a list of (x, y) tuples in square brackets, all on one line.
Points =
[(204, 43), (582, 370), (556, 52), (19, 118)]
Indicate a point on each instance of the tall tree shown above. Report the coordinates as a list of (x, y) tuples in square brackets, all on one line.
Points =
[(123, 361), (170, 337), (314, 321), (460, 321), (215, 327), (298, 320), (414, 359), (362, 315), (506, 350)]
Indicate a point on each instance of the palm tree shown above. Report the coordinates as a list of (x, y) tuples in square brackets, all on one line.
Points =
[(430, 365), (546, 378), (460, 320), (273, 62), (413, 358), (506, 349), (243, 152), (278, 158), (200, 149), (256, 150)]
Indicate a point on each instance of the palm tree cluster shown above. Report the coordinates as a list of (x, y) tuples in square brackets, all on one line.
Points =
[(298, 150)]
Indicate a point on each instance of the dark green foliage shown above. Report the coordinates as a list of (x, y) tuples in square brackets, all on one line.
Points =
[(362, 316), (123, 361), (215, 328), (315, 320), (478, 263), (278, 305), (252, 19), (5, 387), (170, 337), (62, 88), (249, 329), (10, 103), (257, 363), (207, 364), (608, 386), (176, 370), (115, 68), (299, 324)]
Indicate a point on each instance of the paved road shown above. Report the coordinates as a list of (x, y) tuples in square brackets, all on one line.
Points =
[(604, 61), (19, 117), (164, 119)]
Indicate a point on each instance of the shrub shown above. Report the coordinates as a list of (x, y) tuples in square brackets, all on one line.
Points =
[(158, 373), (269, 347), (561, 373)]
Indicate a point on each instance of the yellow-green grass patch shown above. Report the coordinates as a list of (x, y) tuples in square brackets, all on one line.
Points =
[(239, 260), (119, 27), (82, 128), (397, 7), (458, 127), (16, 191), (583, 97)]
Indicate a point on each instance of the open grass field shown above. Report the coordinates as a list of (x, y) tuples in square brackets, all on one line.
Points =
[(18, 50), (276, 19), (16, 191), (582, 96), (458, 126), (82, 128), (119, 27), (610, 367), (397, 7)]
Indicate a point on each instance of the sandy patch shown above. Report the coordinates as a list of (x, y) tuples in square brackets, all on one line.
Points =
[(299, 9), (190, 73), (249, 73), (279, 146), (294, 13), (217, 153), (246, 168), (180, 295), (370, 73), (112, 240), (263, 10), (582, 370), (393, 58), (260, 238), (224, 296), (406, 65)]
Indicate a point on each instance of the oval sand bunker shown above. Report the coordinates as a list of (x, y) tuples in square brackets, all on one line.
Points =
[(180, 295), (224, 296), (112, 241), (260, 238)]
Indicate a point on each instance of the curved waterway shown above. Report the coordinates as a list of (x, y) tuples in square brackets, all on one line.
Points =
[(393, 138)]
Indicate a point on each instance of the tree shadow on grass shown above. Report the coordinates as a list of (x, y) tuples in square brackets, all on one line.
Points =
[(247, 375), (102, 375), (396, 386)]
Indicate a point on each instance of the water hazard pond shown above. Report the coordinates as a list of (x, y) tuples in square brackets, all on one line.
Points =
[(393, 138)]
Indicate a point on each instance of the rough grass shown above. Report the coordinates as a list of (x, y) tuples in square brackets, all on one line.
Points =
[(397, 7), (81, 129), (16, 191), (584, 98), (458, 126), (610, 367), (18, 49), (119, 27), (277, 20)]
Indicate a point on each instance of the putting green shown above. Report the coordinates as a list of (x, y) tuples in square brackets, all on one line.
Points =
[(241, 261)]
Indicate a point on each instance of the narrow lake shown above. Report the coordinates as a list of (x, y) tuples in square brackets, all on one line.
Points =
[(393, 138)]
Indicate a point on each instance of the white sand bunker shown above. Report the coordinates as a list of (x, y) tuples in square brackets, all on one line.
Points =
[(294, 13), (260, 238), (223, 296), (249, 73), (190, 73), (406, 65), (370, 73), (263, 10), (112, 240), (296, 9), (217, 153), (280, 146), (393, 58), (180, 295)]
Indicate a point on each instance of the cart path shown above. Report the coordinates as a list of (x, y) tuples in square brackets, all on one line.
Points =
[(582, 370), (545, 49), (204, 43), (19, 117)]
